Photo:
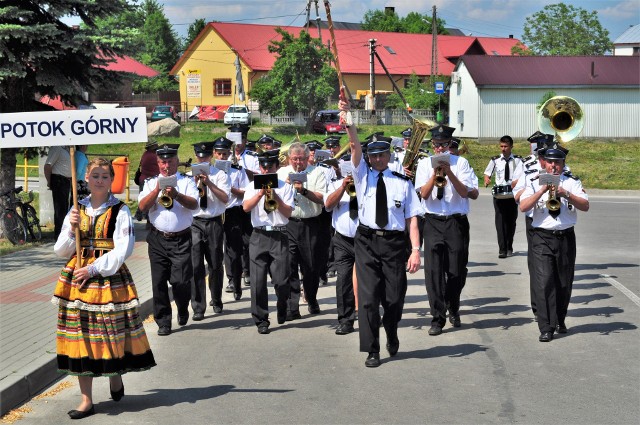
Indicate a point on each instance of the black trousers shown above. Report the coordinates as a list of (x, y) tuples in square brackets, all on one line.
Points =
[(554, 265), (445, 259), (344, 260), (233, 246), (325, 233), (269, 254), (60, 191), (382, 279), (506, 218), (246, 229), (529, 227), (206, 244), (170, 260), (303, 253)]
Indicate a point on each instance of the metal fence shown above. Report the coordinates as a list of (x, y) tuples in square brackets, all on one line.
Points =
[(380, 117)]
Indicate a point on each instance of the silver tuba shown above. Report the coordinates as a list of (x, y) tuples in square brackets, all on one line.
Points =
[(562, 116)]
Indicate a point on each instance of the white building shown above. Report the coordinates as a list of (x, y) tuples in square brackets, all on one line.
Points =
[(628, 44), (491, 96)]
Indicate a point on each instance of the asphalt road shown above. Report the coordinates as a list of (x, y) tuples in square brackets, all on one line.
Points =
[(491, 370)]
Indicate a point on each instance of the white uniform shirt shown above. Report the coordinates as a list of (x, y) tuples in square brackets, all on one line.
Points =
[(60, 161), (239, 180), (259, 217), (340, 219), (402, 201), (530, 173), (451, 202), (249, 161), (177, 217), (497, 166), (568, 216), (329, 173), (316, 182), (123, 237), (215, 206)]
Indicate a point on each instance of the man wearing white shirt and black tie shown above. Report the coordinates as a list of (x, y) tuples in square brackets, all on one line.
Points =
[(508, 170)]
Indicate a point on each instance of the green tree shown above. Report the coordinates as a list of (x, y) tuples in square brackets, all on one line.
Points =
[(561, 29), (300, 78), (414, 22), (194, 29), (419, 95), (41, 55)]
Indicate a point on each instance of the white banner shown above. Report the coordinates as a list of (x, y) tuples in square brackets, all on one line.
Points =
[(194, 86), (73, 127)]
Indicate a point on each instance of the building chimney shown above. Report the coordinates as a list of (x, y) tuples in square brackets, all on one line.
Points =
[(389, 10), (510, 35)]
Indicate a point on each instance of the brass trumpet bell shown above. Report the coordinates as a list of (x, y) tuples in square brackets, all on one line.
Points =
[(562, 116), (165, 200)]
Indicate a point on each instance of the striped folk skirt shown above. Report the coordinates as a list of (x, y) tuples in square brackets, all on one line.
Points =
[(99, 331)]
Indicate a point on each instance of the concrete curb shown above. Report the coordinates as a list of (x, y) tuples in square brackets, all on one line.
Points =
[(21, 388)]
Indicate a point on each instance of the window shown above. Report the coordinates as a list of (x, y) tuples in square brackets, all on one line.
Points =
[(222, 87)]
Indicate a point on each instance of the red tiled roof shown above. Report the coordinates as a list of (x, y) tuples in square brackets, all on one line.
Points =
[(412, 51), (131, 66), (55, 103), (553, 70)]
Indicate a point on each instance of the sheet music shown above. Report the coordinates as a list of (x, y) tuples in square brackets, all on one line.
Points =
[(169, 181), (322, 155), (235, 137), (299, 177), (346, 169), (223, 164), (201, 168), (549, 179), (440, 159)]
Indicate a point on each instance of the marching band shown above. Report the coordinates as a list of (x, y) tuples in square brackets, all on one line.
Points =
[(368, 207)]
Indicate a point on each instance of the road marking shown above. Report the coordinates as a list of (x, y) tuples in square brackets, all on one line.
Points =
[(620, 287), (610, 202)]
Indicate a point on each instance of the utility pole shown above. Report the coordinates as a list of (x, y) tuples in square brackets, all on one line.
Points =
[(318, 20), (372, 75), (434, 46)]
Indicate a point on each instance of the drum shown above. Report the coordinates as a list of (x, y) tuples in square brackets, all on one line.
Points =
[(502, 191)]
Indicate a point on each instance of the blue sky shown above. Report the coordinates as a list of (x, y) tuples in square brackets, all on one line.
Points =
[(487, 18)]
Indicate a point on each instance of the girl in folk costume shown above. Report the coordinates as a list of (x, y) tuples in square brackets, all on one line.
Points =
[(99, 331)]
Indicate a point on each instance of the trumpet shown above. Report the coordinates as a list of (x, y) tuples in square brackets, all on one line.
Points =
[(270, 204), (441, 180), (201, 190), (165, 200), (351, 188), (553, 203)]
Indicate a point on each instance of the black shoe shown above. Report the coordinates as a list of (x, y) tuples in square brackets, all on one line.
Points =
[(435, 330), (331, 273), (263, 329), (217, 309), (561, 328), (182, 320), (323, 280), (546, 337), (293, 316), (510, 253), (197, 317), (314, 308), (246, 278), (344, 329), (237, 296), (164, 330), (79, 414), (373, 360), (502, 255), (117, 395), (211, 303), (392, 347), (455, 320), (282, 318), (229, 288)]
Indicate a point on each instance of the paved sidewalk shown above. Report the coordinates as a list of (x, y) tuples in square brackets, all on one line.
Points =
[(28, 319)]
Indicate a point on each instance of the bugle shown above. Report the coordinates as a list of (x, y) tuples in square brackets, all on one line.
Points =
[(165, 200), (553, 203), (441, 179), (270, 204)]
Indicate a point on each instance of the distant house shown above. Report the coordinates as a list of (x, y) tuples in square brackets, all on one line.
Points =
[(208, 76), (491, 96), (628, 44)]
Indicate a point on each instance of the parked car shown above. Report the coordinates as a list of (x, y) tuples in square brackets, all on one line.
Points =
[(161, 112), (237, 114), (328, 122)]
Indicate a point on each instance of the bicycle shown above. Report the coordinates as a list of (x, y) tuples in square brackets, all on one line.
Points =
[(19, 217)]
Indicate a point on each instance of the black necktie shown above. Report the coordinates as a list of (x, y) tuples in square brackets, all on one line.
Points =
[(203, 199), (440, 193), (353, 208), (382, 214), (507, 172)]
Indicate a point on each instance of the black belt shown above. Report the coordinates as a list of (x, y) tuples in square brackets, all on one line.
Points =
[(298, 220), (237, 206), (168, 235), (216, 218), (554, 232), (347, 238), (445, 217), (271, 228), (366, 230)]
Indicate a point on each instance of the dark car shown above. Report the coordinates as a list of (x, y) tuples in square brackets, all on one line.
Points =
[(328, 122), (161, 112)]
